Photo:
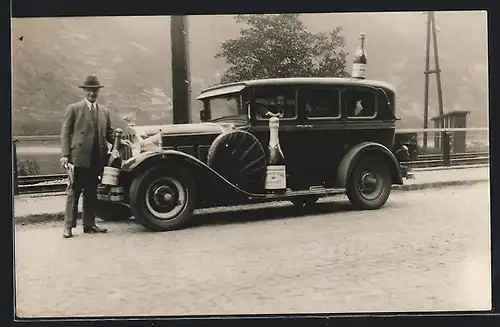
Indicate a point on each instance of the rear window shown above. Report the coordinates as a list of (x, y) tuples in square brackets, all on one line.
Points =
[(359, 103)]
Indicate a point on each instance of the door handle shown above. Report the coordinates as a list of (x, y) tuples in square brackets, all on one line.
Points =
[(304, 126)]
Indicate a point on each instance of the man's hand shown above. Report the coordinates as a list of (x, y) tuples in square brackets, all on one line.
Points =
[(126, 143), (64, 161)]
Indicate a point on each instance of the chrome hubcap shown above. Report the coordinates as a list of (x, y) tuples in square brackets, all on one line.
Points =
[(166, 198), (370, 186)]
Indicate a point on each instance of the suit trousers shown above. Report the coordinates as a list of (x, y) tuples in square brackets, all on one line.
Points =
[(86, 180)]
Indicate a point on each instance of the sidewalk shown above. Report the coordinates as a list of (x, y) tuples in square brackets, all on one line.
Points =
[(427, 178), (49, 207)]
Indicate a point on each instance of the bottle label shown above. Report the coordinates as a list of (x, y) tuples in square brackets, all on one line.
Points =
[(359, 70), (110, 176), (276, 177)]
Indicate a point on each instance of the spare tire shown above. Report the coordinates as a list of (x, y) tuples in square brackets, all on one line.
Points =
[(240, 158)]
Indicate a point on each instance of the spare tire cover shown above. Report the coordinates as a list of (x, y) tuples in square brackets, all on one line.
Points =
[(240, 158)]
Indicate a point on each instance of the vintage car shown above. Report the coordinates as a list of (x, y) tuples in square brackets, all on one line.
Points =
[(336, 136)]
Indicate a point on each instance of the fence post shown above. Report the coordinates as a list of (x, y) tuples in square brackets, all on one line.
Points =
[(446, 148), (14, 163)]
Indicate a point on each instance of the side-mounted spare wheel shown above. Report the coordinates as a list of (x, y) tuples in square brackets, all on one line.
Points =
[(163, 198), (240, 158), (369, 184)]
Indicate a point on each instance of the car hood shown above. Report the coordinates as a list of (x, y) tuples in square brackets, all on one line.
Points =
[(185, 129)]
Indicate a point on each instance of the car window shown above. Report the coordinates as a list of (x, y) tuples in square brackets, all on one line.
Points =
[(359, 103), (226, 106), (280, 103), (319, 103)]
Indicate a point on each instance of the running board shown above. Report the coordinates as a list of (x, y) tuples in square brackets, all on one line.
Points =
[(322, 192)]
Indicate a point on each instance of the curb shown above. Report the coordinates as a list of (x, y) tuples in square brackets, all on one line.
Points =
[(59, 216), (424, 186), (440, 168), (42, 218)]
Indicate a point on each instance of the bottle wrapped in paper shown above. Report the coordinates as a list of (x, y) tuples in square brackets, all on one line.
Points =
[(137, 139), (70, 170), (152, 143)]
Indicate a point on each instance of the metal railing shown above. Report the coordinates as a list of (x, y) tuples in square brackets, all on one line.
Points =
[(446, 157)]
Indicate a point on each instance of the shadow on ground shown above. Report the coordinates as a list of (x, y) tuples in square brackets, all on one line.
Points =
[(282, 210)]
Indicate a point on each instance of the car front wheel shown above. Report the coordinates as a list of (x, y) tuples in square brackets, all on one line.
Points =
[(369, 184), (163, 198)]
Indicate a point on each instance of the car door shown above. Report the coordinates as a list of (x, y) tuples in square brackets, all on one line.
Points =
[(361, 105), (279, 99), (322, 130)]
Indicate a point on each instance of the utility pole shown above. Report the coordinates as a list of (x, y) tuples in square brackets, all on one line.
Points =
[(431, 26), (181, 88), (426, 72)]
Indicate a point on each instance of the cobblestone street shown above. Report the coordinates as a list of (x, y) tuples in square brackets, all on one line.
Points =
[(425, 250)]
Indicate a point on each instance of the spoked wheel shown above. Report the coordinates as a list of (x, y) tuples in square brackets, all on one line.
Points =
[(240, 158), (163, 198), (369, 185), (305, 201)]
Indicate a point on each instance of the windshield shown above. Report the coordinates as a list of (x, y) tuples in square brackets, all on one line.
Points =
[(228, 106)]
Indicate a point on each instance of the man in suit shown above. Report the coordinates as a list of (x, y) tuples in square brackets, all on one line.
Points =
[(85, 129)]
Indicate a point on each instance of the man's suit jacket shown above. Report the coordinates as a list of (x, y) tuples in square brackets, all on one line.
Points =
[(77, 133)]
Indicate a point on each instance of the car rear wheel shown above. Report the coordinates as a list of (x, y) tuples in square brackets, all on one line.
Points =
[(163, 198), (369, 184)]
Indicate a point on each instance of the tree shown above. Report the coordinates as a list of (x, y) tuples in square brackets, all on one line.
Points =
[(273, 46)]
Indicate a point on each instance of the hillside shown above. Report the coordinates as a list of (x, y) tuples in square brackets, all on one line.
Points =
[(131, 55)]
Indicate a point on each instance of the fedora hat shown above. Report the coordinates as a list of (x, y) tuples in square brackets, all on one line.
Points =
[(91, 81)]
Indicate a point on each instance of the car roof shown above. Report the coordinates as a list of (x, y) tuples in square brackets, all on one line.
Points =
[(238, 86)]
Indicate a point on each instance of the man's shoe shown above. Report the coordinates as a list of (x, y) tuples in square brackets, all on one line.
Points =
[(94, 229), (67, 233)]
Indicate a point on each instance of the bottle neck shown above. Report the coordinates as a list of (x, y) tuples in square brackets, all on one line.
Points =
[(273, 138), (117, 142)]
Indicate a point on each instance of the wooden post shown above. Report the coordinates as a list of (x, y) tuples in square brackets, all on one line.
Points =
[(180, 70), (14, 164), (445, 139), (436, 64), (426, 73)]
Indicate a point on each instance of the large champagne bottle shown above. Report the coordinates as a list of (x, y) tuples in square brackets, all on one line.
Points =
[(111, 172), (276, 169), (115, 160), (359, 62)]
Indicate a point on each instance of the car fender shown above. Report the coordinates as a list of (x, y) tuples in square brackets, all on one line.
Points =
[(150, 159), (350, 159)]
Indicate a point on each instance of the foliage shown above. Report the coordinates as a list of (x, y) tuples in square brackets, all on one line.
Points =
[(132, 57), (274, 46), (28, 168)]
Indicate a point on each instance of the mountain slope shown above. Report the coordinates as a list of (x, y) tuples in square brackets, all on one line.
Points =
[(131, 56)]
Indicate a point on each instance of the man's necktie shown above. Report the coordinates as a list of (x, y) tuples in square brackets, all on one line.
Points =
[(94, 114)]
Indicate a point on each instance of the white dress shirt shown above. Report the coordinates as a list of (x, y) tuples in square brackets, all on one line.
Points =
[(89, 104)]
